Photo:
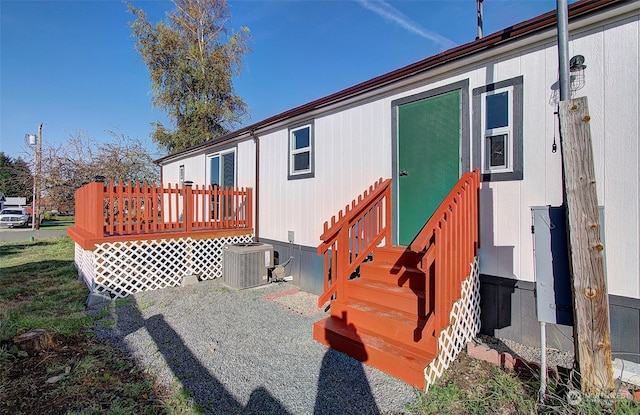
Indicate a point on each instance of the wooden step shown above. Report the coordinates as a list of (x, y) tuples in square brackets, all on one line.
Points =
[(393, 274), (404, 328), (404, 363), (401, 298), (400, 255)]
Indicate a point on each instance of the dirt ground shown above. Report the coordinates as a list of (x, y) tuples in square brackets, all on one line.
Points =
[(79, 373)]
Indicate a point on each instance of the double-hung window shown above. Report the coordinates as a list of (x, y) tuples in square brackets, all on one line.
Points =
[(498, 130), (301, 155), (497, 125)]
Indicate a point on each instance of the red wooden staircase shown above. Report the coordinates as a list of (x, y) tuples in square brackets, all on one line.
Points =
[(390, 303)]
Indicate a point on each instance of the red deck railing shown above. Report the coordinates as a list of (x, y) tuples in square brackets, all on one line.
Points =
[(355, 234), (116, 211)]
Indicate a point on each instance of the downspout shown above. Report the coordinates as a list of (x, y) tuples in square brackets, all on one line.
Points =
[(256, 193)]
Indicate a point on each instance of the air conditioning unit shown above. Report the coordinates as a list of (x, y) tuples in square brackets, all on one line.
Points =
[(247, 265)]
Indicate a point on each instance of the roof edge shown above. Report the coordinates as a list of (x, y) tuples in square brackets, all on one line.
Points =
[(509, 34)]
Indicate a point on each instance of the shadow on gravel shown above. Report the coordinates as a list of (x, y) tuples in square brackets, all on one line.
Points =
[(342, 385), (342, 388), (205, 388)]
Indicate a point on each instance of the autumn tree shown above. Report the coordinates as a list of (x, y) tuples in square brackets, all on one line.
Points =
[(67, 166), (192, 57), (16, 179)]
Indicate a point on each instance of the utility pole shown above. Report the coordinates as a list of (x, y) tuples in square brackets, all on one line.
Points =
[(38, 178), (591, 332)]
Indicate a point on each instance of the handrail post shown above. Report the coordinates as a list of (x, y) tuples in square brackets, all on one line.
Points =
[(388, 218), (343, 263), (187, 195), (249, 207)]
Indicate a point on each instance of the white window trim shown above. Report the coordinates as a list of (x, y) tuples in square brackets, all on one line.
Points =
[(207, 179), (508, 131), (309, 172)]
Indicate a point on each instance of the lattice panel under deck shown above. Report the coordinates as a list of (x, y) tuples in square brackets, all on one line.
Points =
[(123, 268), (465, 324), (84, 264), (206, 262)]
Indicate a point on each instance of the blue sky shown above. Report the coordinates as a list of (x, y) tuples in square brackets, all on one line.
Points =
[(72, 64)]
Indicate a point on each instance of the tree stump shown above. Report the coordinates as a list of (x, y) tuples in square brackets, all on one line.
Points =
[(34, 341)]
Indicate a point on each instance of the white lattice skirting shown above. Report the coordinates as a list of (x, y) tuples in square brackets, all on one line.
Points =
[(123, 268), (465, 324)]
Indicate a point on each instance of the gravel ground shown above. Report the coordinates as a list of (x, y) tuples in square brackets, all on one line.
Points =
[(248, 351)]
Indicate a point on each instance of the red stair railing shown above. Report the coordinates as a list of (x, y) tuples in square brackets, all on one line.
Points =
[(450, 243), (355, 234)]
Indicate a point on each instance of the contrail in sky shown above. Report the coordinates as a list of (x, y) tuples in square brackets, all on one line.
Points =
[(388, 12)]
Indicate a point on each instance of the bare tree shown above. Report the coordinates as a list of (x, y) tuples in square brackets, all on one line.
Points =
[(83, 158)]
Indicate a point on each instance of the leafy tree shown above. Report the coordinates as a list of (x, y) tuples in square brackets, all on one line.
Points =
[(66, 167), (192, 57), (15, 177)]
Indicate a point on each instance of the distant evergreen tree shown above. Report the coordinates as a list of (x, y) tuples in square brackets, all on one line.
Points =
[(15, 177)]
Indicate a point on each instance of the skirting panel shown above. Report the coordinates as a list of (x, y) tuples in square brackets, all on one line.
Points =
[(464, 325), (84, 264), (123, 268)]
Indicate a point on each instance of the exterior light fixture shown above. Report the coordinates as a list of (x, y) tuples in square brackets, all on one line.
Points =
[(576, 69)]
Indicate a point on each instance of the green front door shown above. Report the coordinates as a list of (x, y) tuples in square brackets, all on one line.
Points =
[(428, 158)]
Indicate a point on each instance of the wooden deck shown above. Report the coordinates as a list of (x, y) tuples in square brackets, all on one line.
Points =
[(134, 211)]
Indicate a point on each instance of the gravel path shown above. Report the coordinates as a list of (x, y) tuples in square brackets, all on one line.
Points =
[(248, 352)]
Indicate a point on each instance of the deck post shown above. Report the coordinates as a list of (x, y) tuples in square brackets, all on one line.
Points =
[(96, 202), (187, 195)]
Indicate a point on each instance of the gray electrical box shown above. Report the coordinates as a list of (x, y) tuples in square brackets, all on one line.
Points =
[(553, 283)]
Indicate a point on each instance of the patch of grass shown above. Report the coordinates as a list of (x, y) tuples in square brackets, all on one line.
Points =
[(473, 387), (57, 222), (39, 289)]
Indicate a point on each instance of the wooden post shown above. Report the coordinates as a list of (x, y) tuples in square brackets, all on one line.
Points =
[(592, 339), (187, 204)]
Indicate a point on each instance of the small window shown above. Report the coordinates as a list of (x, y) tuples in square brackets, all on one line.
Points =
[(497, 126), (301, 152), (181, 175)]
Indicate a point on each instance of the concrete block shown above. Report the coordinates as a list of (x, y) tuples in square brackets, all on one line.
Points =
[(97, 299), (189, 280)]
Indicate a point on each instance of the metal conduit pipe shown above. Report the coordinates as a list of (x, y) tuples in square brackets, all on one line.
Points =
[(563, 48)]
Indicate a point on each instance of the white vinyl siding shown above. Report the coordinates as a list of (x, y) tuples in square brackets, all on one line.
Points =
[(352, 144)]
